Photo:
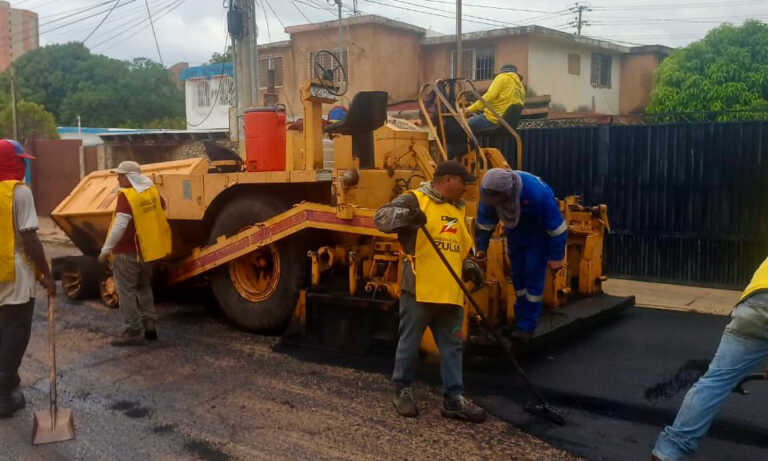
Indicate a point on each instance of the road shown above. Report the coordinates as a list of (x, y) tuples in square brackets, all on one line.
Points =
[(209, 391)]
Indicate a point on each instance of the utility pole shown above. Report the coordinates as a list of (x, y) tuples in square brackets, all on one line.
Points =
[(355, 11), (81, 154), (340, 49), (242, 28), (578, 21), (459, 47), (14, 122)]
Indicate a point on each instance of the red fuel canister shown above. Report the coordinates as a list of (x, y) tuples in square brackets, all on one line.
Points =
[(265, 139)]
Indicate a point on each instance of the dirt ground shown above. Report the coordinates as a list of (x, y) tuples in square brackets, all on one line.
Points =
[(209, 391)]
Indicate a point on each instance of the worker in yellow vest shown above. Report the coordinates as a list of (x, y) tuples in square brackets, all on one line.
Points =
[(21, 254), (138, 236), (430, 296), (743, 346)]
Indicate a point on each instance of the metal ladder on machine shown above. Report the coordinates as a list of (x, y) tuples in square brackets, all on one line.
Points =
[(452, 105)]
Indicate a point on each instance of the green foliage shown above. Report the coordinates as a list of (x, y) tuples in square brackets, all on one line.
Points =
[(219, 58), (166, 123), (726, 71), (32, 120), (69, 81)]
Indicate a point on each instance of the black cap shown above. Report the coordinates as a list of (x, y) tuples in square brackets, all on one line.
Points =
[(452, 167)]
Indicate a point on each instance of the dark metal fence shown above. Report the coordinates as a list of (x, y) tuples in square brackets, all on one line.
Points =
[(688, 202)]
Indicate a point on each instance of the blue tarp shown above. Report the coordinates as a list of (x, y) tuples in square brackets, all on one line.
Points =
[(207, 72)]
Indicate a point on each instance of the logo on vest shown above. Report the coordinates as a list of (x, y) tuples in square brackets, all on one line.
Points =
[(451, 225)]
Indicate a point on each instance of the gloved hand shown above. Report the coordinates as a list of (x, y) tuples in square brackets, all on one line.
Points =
[(418, 218), (471, 272)]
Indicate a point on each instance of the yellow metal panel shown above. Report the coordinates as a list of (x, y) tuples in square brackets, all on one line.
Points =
[(184, 196)]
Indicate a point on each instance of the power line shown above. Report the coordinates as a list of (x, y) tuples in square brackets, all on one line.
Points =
[(159, 14), (218, 90), (492, 7), (282, 24), (154, 33), (293, 2), (117, 2)]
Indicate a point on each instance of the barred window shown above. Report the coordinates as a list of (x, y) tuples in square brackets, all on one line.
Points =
[(574, 64), (227, 91), (203, 93), (601, 70), (270, 71), (479, 64)]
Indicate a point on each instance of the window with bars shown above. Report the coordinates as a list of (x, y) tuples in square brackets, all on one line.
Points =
[(478, 64), (601, 70), (226, 91), (203, 93), (270, 67), (329, 63)]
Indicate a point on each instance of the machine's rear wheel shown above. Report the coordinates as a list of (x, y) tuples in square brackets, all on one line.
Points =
[(80, 276), (258, 291)]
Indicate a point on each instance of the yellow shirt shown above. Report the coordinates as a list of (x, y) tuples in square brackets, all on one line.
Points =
[(505, 90), (447, 225)]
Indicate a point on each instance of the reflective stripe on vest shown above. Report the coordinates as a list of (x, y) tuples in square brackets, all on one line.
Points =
[(758, 283), (7, 232), (446, 223), (152, 229)]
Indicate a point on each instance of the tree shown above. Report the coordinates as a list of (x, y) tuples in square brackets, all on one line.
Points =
[(70, 81), (219, 58), (726, 71), (32, 120)]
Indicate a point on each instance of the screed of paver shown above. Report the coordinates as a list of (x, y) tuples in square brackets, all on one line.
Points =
[(675, 297)]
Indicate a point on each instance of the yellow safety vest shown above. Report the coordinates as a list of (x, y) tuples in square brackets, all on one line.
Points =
[(446, 223), (7, 232), (152, 229), (759, 281)]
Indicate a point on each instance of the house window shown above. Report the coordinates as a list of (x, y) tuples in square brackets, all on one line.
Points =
[(203, 93), (270, 71), (226, 91), (574, 64), (478, 64), (328, 63), (601, 70)]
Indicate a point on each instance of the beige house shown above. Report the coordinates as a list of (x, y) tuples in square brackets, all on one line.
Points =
[(580, 74)]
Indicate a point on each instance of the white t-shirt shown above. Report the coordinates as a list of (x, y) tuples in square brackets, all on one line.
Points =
[(22, 288)]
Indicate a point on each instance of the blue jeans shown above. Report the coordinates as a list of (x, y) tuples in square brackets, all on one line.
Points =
[(735, 358), (445, 321), (480, 123)]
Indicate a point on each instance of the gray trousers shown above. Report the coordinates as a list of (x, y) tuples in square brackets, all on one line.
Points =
[(15, 328), (134, 288), (445, 321)]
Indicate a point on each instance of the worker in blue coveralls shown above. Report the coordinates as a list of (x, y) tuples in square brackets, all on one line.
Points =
[(536, 235)]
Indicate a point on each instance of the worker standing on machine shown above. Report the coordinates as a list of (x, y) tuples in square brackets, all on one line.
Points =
[(139, 234), (506, 93), (21, 254), (536, 236), (429, 296)]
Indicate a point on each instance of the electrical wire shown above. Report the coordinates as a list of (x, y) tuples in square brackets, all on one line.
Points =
[(293, 2), (106, 16), (218, 90), (154, 33), (266, 19), (492, 7), (274, 13), (159, 14)]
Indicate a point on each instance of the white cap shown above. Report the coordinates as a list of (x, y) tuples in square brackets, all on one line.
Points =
[(128, 167)]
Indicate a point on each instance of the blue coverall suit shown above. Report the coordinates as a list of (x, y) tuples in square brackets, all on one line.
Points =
[(539, 237)]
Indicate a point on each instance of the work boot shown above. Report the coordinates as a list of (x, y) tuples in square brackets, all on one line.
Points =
[(460, 407), (405, 404), (129, 337), (150, 331)]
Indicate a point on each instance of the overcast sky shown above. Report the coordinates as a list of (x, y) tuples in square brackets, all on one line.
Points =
[(191, 30)]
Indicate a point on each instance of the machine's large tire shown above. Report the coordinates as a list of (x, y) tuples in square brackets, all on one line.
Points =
[(80, 276), (269, 310)]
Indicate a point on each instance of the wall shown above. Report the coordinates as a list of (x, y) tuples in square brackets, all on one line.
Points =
[(56, 171), (198, 118), (548, 69), (637, 81), (380, 58)]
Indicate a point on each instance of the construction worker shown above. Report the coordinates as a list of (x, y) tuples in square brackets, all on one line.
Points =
[(505, 93), (139, 234), (536, 235), (743, 345), (430, 296), (21, 254)]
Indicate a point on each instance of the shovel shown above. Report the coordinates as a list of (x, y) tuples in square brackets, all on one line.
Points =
[(540, 407), (53, 425)]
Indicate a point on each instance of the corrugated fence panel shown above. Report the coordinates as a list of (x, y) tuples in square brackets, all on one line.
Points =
[(688, 202)]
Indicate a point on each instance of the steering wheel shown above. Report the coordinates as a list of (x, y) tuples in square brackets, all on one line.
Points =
[(332, 78)]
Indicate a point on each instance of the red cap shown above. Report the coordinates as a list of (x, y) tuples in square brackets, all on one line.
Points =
[(10, 146)]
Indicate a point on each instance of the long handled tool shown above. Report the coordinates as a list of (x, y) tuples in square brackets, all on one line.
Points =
[(541, 407), (53, 425)]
